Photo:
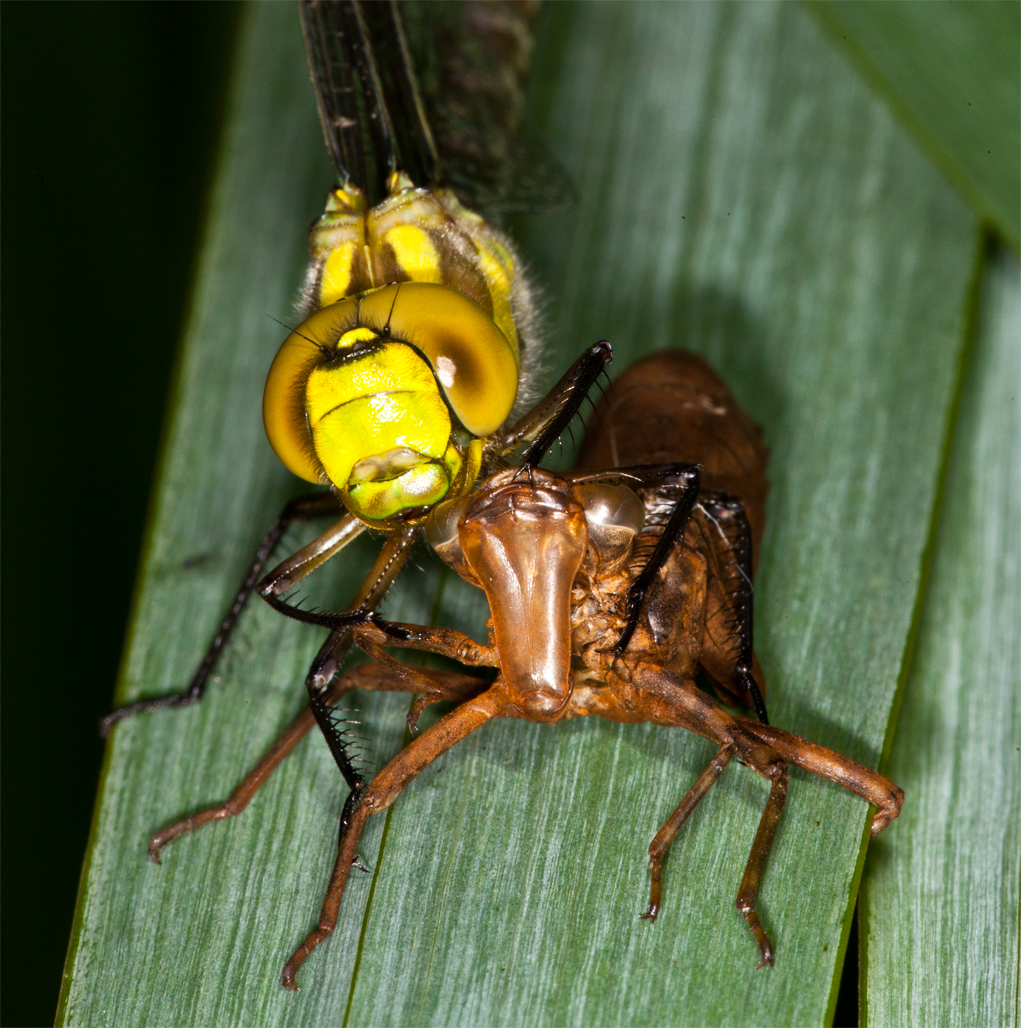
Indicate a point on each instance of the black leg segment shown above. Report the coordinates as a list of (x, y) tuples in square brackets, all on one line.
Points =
[(304, 508)]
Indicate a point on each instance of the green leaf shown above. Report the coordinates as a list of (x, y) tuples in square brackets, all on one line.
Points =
[(940, 896), (741, 193), (951, 70)]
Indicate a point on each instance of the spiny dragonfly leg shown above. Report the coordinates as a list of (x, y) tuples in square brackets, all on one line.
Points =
[(304, 508), (544, 423), (273, 589), (377, 796)]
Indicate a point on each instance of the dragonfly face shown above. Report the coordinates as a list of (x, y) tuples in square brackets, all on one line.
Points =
[(387, 396)]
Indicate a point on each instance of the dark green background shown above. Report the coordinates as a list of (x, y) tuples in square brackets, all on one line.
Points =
[(110, 120)]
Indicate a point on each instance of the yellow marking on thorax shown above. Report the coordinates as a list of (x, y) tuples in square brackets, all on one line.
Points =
[(498, 279), (367, 250), (336, 278), (415, 253), (348, 200), (473, 464)]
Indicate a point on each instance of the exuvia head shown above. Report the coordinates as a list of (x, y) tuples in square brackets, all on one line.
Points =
[(613, 514), (387, 395), (522, 538)]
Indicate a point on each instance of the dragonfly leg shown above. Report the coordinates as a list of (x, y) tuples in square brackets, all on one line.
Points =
[(354, 626), (868, 784), (777, 772), (545, 422), (304, 508), (377, 796), (443, 685), (333, 652), (326, 666), (659, 846)]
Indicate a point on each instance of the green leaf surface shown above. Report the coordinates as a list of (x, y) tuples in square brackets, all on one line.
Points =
[(741, 193), (951, 70), (940, 932)]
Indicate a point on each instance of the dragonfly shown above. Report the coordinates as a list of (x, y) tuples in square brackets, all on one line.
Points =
[(411, 376), (398, 391)]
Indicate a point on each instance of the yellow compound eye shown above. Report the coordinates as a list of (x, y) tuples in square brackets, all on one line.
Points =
[(474, 362), (283, 402)]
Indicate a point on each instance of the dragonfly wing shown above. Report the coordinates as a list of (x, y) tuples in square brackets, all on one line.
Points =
[(435, 91), (369, 103), (472, 60)]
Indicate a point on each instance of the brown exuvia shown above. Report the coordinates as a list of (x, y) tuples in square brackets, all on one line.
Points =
[(610, 589)]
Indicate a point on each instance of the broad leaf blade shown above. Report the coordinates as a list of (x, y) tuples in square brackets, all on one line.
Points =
[(741, 193), (940, 896), (951, 70)]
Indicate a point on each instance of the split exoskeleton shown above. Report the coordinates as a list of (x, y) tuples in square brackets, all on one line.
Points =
[(610, 591)]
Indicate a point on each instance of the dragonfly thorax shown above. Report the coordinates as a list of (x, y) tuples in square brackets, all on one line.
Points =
[(414, 235)]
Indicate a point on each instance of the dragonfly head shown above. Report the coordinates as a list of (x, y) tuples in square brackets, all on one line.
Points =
[(386, 396)]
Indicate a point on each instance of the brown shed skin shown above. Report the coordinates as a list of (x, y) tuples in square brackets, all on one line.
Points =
[(558, 592), (672, 406)]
